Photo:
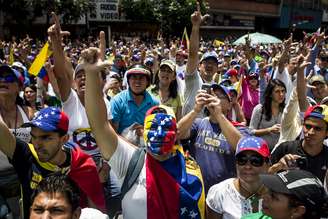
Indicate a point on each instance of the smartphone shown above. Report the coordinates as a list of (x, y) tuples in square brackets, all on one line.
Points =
[(207, 87)]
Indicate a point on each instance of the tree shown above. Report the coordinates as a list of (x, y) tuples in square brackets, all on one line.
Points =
[(24, 12), (171, 15)]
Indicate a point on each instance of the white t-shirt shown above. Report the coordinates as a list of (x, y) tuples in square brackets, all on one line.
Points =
[(91, 213), (79, 128), (134, 203), (224, 199)]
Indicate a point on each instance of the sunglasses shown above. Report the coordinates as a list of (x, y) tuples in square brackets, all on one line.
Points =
[(8, 78), (256, 161)]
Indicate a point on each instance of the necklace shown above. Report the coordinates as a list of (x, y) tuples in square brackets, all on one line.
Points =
[(253, 197)]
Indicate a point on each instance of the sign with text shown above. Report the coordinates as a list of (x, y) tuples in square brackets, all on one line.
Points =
[(105, 10)]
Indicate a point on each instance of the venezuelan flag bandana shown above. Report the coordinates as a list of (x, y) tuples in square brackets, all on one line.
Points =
[(174, 188), (160, 133)]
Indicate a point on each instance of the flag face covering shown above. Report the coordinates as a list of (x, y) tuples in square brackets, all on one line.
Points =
[(160, 133), (174, 188)]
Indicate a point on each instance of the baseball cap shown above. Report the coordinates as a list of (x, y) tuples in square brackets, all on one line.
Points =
[(209, 55), (317, 111), (317, 78), (7, 68), (251, 143), (168, 63), (19, 65), (222, 88), (252, 75), (50, 119), (226, 83), (138, 70), (135, 58), (303, 184), (233, 62), (232, 72), (149, 61), (78, 68)]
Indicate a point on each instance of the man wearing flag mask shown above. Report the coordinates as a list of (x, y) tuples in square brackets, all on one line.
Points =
[(169, 185)]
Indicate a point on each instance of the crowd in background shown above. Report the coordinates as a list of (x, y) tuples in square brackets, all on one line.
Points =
[(252, 119)]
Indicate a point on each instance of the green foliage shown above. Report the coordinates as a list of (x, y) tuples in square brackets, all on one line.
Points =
[(172, 15), (25, 11)]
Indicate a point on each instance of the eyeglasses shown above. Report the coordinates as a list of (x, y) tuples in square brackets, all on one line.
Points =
[(8, 78), (255, 160)]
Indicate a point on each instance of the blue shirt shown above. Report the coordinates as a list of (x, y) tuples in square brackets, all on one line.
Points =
[(125, 111), (212, 152)]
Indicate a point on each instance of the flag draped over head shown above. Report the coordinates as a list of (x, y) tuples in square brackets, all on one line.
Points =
[(185, 39), (40, 60), (174, 188)]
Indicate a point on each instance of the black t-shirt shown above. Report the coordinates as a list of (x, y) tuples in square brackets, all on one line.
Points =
[(317, 165), (30, 171)]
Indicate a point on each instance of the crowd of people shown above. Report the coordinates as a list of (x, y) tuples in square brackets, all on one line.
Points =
[(164, 130)]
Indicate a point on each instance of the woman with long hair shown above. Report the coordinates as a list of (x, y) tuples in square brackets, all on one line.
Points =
[(166, 87), (266, 118), (30, 96)]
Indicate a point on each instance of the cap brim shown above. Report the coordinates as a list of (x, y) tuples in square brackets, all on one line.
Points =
[(253, 149), (217, 86), (274, 183), (6, 68), (171, 67), (28, 124)]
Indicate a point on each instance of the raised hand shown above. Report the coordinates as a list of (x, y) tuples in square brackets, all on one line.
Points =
[(214, 105), (287, 43), (55, 33), (196, 18), (102, 45), (92, 62), (201, 100)]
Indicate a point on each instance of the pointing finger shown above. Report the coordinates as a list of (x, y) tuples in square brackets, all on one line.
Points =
[(56, 20), (102, 45)]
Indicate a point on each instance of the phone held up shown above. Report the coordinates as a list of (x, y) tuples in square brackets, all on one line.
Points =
[(207, 87)]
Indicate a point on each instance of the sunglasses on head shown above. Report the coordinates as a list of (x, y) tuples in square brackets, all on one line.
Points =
[(255, 160), (8, 78)]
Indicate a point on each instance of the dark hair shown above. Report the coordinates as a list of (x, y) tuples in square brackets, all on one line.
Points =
[(173, 87), (266, 109), (312, 212), (60, 183), (33, 87)]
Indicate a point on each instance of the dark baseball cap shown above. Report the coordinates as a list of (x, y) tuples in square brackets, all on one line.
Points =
[(300, 183)]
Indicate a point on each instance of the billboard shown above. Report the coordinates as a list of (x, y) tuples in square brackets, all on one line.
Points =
[(105, 10)]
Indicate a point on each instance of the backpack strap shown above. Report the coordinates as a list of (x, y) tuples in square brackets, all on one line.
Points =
[(135, 166)]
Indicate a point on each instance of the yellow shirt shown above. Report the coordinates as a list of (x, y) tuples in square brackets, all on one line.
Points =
[(174, 103)]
